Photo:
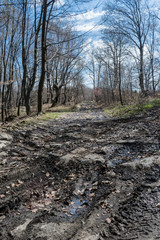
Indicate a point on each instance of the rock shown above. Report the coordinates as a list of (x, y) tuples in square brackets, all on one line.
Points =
[(18, 231), (91, 237), (3, 144), (2, 218), (79, 150), (4, 161), (50, 231), (5, 136), (67, 158), (5, 139), (2, 154), (126, 141), (47, 146), (93, 158), (152, 185), (144, 162), (56, 144), (111, 173)]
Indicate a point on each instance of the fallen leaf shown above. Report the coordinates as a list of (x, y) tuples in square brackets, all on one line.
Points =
[(47, 202), (106, 181), (86, 184), (64, 210), (52, 194), (103, 206), (30, 207), (20, 182), (72, 175), (34, 210), (117, 191), (92, 194), (95, 184)]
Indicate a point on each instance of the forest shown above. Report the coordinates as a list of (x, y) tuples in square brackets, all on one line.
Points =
[(44, 60), (80, 120)]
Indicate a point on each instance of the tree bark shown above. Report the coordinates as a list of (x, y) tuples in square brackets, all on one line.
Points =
[(43, 58), (141, 72)]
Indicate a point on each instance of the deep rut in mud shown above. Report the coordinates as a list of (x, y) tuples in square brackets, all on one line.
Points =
[(81, 177)]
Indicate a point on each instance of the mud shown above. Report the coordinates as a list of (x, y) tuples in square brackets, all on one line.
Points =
[(83, 176)]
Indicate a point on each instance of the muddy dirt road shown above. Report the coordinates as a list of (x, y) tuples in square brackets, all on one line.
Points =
[(81, 177)]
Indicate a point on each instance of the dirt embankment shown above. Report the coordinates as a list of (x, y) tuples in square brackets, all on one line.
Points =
[(81, 177)]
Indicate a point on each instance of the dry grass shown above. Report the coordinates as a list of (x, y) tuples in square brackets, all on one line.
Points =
[(48, 114)]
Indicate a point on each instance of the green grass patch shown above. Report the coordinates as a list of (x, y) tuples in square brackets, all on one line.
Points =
[(156, 102), (132, 109)]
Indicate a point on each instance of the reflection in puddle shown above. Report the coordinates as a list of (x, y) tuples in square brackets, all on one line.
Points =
[(83, 194), (75, 205)]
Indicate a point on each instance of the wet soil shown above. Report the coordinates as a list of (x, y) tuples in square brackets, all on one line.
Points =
[(83, 176)]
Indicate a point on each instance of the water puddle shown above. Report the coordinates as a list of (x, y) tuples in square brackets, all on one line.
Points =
[(82, 196), (75, 205)]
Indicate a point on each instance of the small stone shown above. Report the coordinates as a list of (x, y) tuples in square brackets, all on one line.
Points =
[(47, 174), (108, 220), (3, 144), (2, 218), (5, 136), (20, 229), (94, 158), (2, 195), (3, 154), (4, 161)]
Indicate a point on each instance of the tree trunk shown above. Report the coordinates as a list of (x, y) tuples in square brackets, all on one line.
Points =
[(56, 98), (141, 72), (43, 58), (120, 83)]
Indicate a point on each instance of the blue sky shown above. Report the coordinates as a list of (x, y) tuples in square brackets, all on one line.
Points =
[(89, 16), (86, 18)]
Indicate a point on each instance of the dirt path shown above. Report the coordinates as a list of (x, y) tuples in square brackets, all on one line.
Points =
[(81, 177)]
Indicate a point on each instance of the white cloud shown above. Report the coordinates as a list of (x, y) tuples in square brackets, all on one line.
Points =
[(59, 3), (88, 15), (98, 44), (85, 16), (89, 27)]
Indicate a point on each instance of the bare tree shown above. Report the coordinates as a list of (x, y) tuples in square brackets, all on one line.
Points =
[(46, 12), (62, 61), (132, 20), (9, 49)]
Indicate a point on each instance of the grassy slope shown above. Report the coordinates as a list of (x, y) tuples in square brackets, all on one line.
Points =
[(132, 109), (49, 114)]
